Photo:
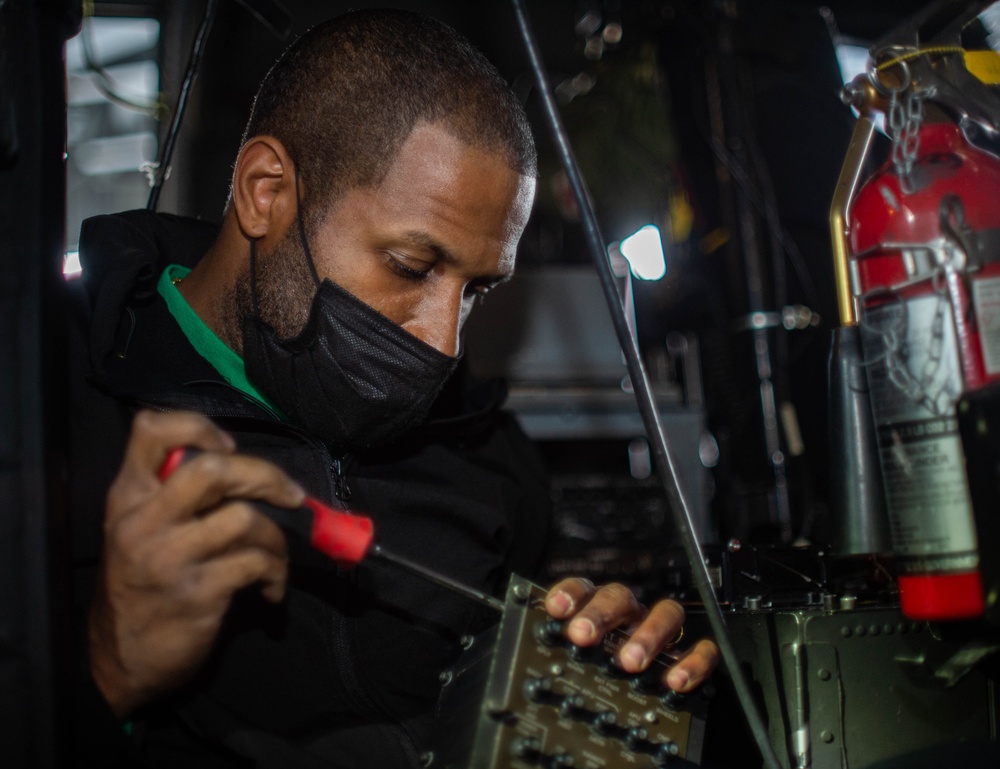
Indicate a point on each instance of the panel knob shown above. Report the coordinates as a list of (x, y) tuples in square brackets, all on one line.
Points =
[(604, 722), (549, 632), (665, 753), (527, 749), (538, 689), (671, 699)]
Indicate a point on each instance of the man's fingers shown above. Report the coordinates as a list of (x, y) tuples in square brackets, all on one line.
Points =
[(153, 436), (565, 598), (658, 630), (233, 526), (697, 664), (209, 479), (221, 577), (593, 612)]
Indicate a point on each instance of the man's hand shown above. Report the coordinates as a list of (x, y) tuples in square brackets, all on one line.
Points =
[(595, 611), (175, 552)]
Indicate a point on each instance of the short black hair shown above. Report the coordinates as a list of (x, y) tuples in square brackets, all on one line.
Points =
[(345, 96)]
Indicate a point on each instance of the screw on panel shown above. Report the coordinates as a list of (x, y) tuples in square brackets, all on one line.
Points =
[(467, 641), (426, 759), (522, 592), (826, 736), (824, 674), (445, 677)]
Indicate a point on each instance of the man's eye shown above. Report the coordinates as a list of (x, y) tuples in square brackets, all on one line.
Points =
[(399, 265)]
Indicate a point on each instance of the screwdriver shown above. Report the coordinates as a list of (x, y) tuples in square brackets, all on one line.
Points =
[(344, 537)]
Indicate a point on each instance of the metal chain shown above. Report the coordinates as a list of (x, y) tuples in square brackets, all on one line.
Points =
[(904, 128)]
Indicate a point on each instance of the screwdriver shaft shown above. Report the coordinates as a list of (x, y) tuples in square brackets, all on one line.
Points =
[(378, 551)]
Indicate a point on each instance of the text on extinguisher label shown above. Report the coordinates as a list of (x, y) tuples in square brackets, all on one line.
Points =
[(915, 380)]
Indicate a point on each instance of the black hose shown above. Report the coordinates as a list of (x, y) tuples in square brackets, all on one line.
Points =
[(665, 464)]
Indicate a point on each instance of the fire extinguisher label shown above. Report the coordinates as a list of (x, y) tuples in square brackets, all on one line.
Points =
[(986, 299), (915, 380)]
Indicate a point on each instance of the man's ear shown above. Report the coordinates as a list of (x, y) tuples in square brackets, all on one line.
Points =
[(264, 198)]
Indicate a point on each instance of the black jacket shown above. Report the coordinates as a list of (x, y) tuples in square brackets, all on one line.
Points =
[(345, 672)]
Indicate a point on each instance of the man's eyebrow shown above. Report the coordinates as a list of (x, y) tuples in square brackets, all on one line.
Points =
[(424, 240)]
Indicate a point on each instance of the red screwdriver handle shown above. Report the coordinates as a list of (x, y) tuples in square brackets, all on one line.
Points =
[(344, 537)]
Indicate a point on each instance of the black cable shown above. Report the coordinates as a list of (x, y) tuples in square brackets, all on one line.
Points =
[(194, 64), (767, 207), (665, 464)]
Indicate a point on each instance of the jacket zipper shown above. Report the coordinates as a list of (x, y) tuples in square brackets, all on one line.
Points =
[(341, 489)]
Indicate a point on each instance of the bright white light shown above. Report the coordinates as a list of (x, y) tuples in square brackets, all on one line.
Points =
[(71, 265), (644, 251)]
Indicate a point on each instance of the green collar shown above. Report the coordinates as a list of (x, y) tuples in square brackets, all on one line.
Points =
[(205, 342)]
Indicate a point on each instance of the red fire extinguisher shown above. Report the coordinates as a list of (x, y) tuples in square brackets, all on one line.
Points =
[(925, 271)]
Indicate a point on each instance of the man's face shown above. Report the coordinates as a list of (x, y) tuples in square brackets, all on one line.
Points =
[(441, 229)]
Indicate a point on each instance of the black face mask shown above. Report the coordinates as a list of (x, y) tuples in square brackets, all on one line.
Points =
[(352, 377)]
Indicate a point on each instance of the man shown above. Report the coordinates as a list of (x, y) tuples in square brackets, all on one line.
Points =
[(385, 177)]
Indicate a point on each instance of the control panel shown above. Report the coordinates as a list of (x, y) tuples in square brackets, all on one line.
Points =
[(549, 703)]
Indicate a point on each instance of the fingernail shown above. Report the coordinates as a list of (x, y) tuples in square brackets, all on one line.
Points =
[(582, 630), (634, 656), (560, 604), (677, 679)]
